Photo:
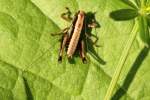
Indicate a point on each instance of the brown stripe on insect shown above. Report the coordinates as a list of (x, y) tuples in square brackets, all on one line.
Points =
[(76, 34)]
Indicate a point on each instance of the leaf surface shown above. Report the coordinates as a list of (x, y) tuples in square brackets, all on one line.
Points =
[(28, 53)]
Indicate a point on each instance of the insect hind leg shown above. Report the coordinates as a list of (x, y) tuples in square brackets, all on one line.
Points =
[(91, 40), (82, 51), (62, 46)]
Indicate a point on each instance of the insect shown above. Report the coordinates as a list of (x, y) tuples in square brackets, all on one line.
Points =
[(74, 36)]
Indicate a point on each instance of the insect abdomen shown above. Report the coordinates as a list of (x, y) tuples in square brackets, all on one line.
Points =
[(76, 34)]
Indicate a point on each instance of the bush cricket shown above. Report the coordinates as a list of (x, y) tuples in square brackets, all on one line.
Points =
[(74, 36)]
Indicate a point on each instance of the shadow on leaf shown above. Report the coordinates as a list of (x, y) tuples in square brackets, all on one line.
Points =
[(131, 74), (90, 17), (28, 90)]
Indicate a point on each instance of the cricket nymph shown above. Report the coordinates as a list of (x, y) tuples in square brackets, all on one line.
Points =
[(73, 36), (76, 34)]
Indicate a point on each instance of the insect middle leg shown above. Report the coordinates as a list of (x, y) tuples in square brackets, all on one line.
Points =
[(82, 51), (90, 38), (92, 25)]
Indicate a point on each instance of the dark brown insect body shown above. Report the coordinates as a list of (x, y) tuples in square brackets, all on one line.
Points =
[(73, 36), (76, 34)]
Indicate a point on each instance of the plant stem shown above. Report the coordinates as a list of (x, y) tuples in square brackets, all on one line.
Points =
[(121, 62)]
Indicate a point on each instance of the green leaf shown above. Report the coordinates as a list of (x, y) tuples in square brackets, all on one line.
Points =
[(138, 2), (144, 2), (148, 20), (128, 2), (144, 30), (124, 14), (28, 54), (8, 25)]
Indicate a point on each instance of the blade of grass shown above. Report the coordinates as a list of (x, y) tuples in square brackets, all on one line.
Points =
[(121, 62)]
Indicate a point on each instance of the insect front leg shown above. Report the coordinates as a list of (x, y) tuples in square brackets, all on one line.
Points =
[(67, 15), (62, 46), (82, 51), (61, 32)]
